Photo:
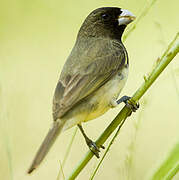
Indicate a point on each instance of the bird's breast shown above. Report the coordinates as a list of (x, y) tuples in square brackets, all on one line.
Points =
[(101, 100)]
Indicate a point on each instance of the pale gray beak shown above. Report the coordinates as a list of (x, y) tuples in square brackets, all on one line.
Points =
[(125, 17)]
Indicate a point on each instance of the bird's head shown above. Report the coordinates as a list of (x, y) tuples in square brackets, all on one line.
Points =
[(106, 22)]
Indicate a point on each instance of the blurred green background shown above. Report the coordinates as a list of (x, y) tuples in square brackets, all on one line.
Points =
[(35, 40)]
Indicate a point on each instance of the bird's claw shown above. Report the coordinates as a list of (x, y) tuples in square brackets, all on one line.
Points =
[(94, 148), (132, 105), (129, 103)]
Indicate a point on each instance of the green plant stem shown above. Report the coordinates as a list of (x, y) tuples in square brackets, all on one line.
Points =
[(169, 167), (160, 66)]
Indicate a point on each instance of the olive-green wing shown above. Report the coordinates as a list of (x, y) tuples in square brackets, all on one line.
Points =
[(80, 85)]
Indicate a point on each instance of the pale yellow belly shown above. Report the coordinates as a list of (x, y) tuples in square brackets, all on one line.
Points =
[(106, 94), (99, 103)]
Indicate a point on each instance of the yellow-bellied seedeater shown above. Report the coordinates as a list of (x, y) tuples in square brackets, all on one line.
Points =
[(93, 76)]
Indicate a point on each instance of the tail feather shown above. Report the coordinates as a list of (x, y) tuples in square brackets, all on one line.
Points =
[(46, 145)]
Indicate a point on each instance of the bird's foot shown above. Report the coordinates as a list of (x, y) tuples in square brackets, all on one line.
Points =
[(133, 106), (93, 147)]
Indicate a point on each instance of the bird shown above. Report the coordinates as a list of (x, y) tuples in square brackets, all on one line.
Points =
[(92, 77)]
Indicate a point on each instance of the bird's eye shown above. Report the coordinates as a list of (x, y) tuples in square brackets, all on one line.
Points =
[(105, 16)]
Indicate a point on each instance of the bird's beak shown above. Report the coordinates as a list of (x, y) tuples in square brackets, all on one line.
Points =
[(125, 17)]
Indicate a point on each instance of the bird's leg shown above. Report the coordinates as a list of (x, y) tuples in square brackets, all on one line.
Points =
[(92, 145), (127, 100)]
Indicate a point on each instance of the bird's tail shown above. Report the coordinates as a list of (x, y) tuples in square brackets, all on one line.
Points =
[(47, 143)]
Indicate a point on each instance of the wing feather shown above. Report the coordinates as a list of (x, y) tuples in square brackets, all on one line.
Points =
[(88, 80)]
